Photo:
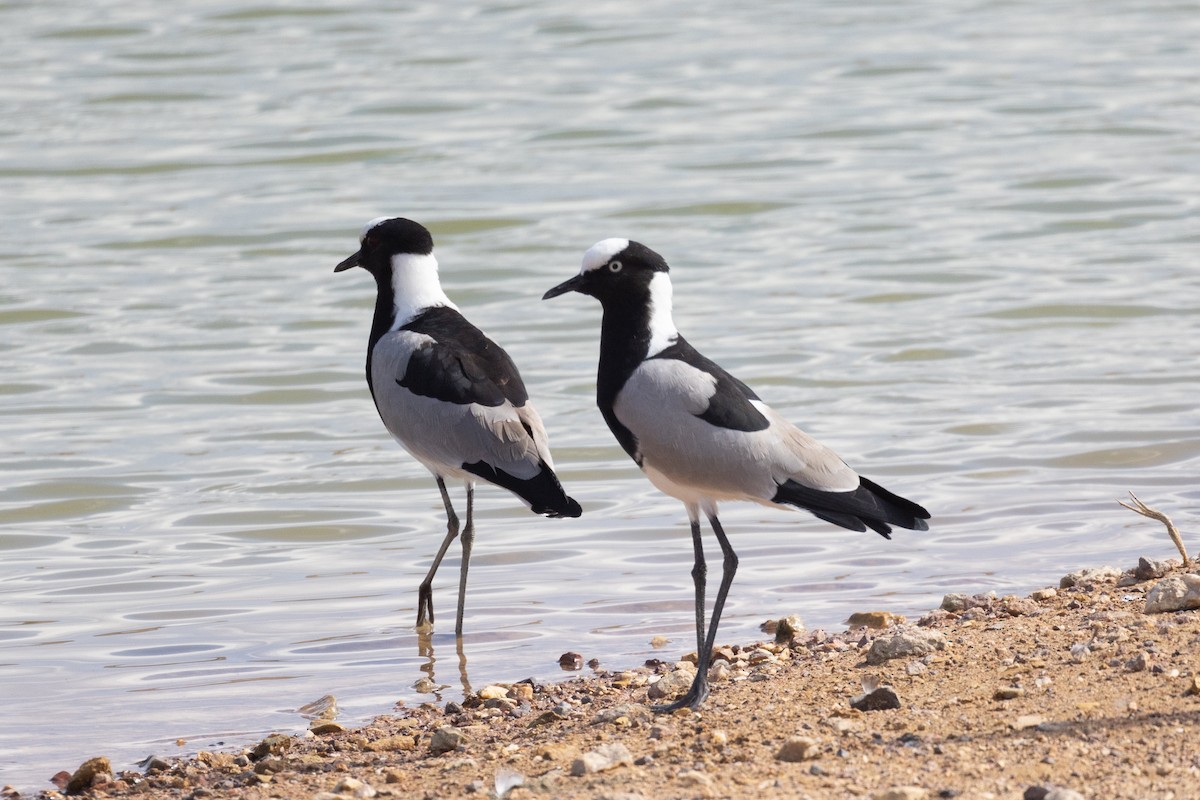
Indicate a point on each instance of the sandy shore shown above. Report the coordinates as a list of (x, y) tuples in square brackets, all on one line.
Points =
[(1075, 691)]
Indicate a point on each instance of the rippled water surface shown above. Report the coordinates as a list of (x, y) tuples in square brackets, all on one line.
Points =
[(957, 241)]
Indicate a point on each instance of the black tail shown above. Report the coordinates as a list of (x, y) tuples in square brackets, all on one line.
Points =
[(868, 506), (542, 492)]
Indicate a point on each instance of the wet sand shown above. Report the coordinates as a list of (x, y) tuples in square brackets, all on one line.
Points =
[(1074, 689)]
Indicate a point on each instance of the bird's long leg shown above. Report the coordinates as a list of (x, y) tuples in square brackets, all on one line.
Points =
[(468, 539), (699, 578), (728, 570), (425, 590), (699, 688)]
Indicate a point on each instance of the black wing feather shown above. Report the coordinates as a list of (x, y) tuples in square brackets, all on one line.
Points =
[(461, 365), (729, 407)]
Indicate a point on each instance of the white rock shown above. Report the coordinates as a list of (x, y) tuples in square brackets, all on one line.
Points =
[(353, 787), (1176, 593), (604, 757), (671, 684), (1088, 575), (799, 748), (905, 643), (903, 793)]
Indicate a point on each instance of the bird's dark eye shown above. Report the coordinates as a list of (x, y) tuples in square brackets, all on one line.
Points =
[(615, 266)]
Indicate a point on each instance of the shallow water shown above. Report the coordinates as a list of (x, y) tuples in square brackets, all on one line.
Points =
[(953, 240)]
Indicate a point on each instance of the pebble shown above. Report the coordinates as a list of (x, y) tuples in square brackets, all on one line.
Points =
[(1051, 793), (880, 699), (570, 661), (719, 672), (1088, 575), (902, 793), (875, 620), (603, 758), (1027, 721), (274, 745), (1008, 693), (1148, 570), (904, 643), (671, 684), (1042, 595), (353, 787), (631, 712), (1139, 663), (1176, 593), (798, 748), (694, 778), (445, 739), (93, 772), (322, 726), (492, 692)]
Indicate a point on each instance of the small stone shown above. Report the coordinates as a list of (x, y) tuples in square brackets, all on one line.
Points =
[(659, 642), (521, 691), (603, 758), (154, 764), (719, 672), (670, 685), (1008, 693), (323, 726), (902, 793), (570, 661), (788, 628), (1193, 688), (880, 699), (353, 787), (1176, 593), (954, 602), (631, 712), (555, 752), (446, 739), (324, 707), (1017, 606), (390, 744), (424, 686), (85, 777), (798, 748), (875, 620), (905, 643), (694, 778), (1139, 663), (492, 692), (274, 745), (1042, 595), (1027, 721), (1148, 570), (1088, 575)]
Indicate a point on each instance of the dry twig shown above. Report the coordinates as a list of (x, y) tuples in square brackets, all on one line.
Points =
[(1147, 511)]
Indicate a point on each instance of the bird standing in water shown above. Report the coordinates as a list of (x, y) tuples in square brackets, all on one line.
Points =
[(447, 393)]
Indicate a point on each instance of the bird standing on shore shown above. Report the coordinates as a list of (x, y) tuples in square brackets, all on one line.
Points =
[(701, 435), (447, 393)]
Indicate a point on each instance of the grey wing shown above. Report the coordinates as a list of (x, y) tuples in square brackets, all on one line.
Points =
[(445, 435), (662, 404)]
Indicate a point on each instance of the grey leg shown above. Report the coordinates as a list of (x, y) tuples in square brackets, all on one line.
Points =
[(468, 540), (425, 590)]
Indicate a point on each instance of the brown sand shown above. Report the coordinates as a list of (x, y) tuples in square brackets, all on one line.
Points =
[(1074, 690)]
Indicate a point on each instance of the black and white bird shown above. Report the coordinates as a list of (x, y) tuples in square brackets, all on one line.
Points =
[(701, 435), (447, 393)]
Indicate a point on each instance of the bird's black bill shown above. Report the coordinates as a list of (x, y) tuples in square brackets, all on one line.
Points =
[(566, 286), (352, 261)]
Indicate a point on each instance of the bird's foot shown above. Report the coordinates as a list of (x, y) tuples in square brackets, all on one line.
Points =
[(424, 608), (694, 698)]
